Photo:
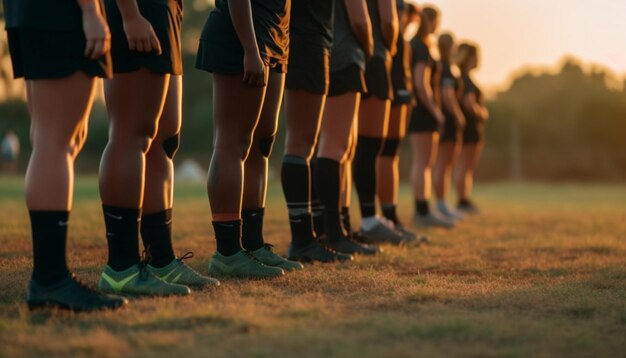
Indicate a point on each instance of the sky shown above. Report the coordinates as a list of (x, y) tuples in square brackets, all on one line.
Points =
[(514, 34)]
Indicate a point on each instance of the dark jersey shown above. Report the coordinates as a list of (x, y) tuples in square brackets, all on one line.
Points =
[(469, 86), (401, 68), (271, 26), (312, 20), (56, 15), (346, 50), (379, 45), (449, 79), (421, 53)]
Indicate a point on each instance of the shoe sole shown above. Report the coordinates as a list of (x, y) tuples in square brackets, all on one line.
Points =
[(141, 294)]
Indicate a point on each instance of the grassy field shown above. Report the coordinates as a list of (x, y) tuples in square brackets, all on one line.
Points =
[(542, 273)]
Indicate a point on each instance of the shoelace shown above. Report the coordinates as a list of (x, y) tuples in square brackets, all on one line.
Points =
[(187, 255), (146, 257)]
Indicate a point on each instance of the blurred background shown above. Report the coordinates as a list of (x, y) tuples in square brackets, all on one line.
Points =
[(553, 72)]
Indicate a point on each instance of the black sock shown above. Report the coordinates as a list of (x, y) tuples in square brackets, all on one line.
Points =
[(317, 209), (156, 233), (122, 229), (390, 212), (328, 184), (345, 219), (464, 202), (228, 237), (252, 228), (421, 207), (296, 182), (49, 230), (364, 173)]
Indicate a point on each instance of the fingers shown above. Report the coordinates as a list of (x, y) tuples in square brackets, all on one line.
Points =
[(97, 50), (156, 45), (91, 44)]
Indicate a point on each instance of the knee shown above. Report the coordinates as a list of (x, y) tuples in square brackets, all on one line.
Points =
[(232, 148), (263, 146), (170, 145)]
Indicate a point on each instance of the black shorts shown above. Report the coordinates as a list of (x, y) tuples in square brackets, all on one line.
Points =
[(422, 121), (378, 78), (166, 20), (43, 54), (474, 131), (451, 133), (349, 79), (220, 50), (309, 67)]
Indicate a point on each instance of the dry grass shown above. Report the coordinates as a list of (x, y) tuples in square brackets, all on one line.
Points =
[(543, 273)]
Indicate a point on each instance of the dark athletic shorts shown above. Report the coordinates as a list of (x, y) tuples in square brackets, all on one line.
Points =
[(349, 79), (422, 121), (378, 78), (309, 67), (474, 131), (43, 54), (451, 131), (166, 20)]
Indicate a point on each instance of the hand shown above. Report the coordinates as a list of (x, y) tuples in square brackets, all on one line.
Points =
[(254, 70), (96, 33), (140, 35), (369, 51)]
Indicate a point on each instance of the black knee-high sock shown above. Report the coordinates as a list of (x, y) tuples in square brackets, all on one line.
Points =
[(122, 229), (421, 207), (328, 188), (252, 232), (364, 173), (49, 230), (228, 237), (296, 182), (390, 212), (345, 219), (156, 233), (317, 209)]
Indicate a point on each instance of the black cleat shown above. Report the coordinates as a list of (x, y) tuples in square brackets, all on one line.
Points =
[(349, 246), (72, 295), (314, 252)]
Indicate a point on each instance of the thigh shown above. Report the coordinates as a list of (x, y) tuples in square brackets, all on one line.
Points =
[(60, 107), (171, 116), (373, 116), (397, 122), (422, 145), (268, 120), (236, 110), (135, 101), (337, 125)]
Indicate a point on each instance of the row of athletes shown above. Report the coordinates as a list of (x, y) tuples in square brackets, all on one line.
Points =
[(333, 50)]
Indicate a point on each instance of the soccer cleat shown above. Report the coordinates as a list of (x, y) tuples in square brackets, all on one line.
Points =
[(409, 236), (180, 273), (449, 213), (314, 252), (71, 295), (468, 207), (138, 280), (267, 256), (383, 233), (242, 264), (432, 219), (348, 246)]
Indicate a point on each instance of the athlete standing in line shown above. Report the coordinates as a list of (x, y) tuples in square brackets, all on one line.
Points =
[(60, 86), (473, 135), (388, 176), (310, 35), (451, 90), (427, 120), (136, 171), (352, 44), (374, 119), (245, 45)]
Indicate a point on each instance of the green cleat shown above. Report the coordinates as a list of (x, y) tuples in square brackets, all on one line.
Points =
[(267, 256), (179, 273), (138, 280), (241, 264)]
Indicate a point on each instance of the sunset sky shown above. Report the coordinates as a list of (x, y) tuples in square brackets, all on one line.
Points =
[(514, 33)]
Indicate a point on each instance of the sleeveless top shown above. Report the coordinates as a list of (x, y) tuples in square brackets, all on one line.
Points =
[(346, 50), (312, 20), (56, 15), (379, 45), (421, 53)]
